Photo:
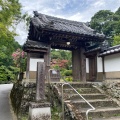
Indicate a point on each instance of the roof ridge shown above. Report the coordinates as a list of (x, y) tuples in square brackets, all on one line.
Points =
[(62, 20)]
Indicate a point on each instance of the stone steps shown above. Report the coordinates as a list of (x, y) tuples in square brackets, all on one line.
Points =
[(81, 90), (102, 113), (105, 108), (78, 85), (97, 103), (87, 96), (111, 118)]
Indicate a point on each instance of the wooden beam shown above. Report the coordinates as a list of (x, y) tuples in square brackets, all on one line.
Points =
[(36, 50)]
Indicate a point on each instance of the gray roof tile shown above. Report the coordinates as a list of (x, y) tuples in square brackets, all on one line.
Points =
[(53, 23), (111, 50)]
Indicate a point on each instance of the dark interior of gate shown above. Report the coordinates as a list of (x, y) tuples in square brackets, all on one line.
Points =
[(46, 32)]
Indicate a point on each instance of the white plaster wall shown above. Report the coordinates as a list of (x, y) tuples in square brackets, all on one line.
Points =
[(112, 63), (87, 65), (33, 63), (99, 64)]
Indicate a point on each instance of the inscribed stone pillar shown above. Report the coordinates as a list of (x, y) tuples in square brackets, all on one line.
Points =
[(40, 110), (40, 81), (79, 65), (28, 66)]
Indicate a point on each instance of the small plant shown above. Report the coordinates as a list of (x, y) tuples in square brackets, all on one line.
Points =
[(69, 79), (55, 113), (79, 90)]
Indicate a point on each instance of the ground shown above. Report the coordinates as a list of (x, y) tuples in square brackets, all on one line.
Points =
[(5, 113)]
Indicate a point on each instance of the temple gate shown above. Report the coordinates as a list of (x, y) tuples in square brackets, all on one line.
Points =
[(48, 32)]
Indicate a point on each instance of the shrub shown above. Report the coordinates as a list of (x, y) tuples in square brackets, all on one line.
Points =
[(8, 73), (67, 73), (69, 79)]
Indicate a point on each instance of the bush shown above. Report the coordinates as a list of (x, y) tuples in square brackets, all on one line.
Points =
[(67, 73), (69, 79), (7, 73)]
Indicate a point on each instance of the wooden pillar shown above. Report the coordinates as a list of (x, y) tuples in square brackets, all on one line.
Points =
[(79, 65), (76, 64), (103, 66), (28, 66), (82, 65), (47, 59)]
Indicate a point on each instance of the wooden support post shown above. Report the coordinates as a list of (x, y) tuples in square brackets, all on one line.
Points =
[(82, 65), (28, 66), (76, 64), (47, 59), (103, 66), (40, 81), (79, 65)]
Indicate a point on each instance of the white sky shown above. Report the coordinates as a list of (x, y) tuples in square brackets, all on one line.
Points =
[(78, 10)]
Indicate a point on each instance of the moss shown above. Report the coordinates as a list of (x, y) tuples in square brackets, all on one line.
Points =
[(116, 115), (55, 113)]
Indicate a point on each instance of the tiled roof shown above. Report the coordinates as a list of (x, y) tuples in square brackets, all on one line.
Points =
[(111, 50), (41, 21), (34, 44), (92, 50)]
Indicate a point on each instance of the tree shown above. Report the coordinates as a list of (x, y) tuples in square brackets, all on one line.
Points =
[(10, 13), (107, 22), (116, 40), (102, 21)]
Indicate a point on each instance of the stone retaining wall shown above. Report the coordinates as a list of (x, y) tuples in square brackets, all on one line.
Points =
[(112, 87), (21, 95)]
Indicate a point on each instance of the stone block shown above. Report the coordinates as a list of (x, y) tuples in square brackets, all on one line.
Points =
[(39, 111)]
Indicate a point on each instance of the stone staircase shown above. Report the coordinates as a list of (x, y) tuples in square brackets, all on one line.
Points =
[(105, 107)]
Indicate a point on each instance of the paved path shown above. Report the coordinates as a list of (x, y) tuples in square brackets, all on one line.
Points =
[(5, 113)]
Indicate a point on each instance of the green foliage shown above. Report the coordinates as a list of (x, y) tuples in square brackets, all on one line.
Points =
[(116, 40), (69, 79), (56, 67), (107, 22), (118, 11), (55, 113), (100, 20), (9, 14), (67, 73), (7, 74), (60, 54)]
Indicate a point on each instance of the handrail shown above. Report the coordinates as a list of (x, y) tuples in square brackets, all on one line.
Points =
[(66, 83)]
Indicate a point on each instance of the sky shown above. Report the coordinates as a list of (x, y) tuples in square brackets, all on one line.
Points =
[(77, 10)]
